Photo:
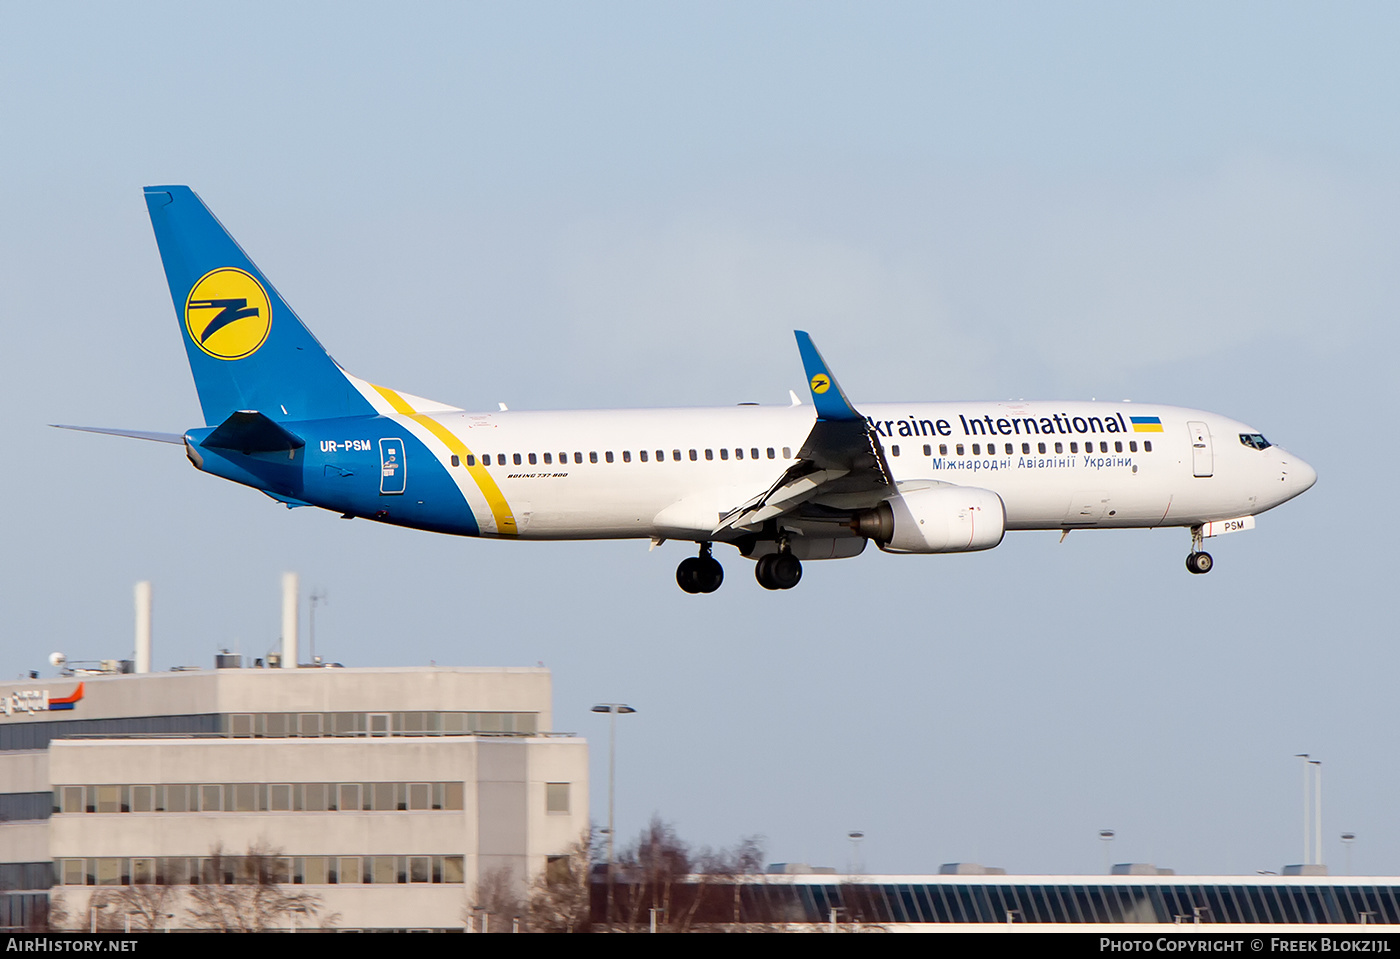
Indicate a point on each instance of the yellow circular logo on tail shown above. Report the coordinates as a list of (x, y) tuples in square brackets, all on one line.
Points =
[(820, 383), (228, 314)]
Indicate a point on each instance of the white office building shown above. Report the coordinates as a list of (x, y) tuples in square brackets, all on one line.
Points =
[(385, 794)]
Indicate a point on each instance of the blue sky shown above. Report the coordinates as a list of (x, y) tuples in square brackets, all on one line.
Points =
[(617, 204)]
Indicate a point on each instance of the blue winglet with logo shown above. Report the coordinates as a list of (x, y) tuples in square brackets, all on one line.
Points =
[(827, 395), (247, 349)]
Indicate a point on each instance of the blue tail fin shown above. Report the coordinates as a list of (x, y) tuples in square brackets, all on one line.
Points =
[(247, 349)]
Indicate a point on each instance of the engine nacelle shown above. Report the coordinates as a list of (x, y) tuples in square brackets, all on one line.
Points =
[(938, 519)]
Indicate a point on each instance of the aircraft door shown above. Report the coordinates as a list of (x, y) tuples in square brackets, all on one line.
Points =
[(393, 467), (1202, 454)]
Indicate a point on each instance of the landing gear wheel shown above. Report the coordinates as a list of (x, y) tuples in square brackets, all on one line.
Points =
[(778, 571), (700, 574), (688, 574), (1199, 562)]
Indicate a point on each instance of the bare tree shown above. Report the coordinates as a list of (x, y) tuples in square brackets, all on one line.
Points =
[(495, 901), (721, 867), (56, 915), (650, 868), (147, 906), (661, 873), (560, 896), (255, 900)]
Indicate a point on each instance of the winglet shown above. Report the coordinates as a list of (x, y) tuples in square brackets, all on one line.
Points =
[(827, 395)]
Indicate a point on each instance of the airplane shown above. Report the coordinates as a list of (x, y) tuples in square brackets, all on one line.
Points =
[(782, 484)]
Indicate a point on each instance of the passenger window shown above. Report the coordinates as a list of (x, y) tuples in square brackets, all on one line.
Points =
[(1040, 447), (532, 459), (643, 455), (471, 459), (516, 458), (592, 456), (739, 453), (771, 454), (787, 452), (676, 455), (976, 449), (1117, 446), (1132, 446), (455, 460), (709, 454), (753, 453), (548, 459), (578, 457), (626, 456), (928, 450), (724, 454), (1025, 448), (608, 456), (1103, 446), (485, 459), (960, 449), (1059, 447), (661, 456), (1074, 447), (942, 449), (694, 456), (1147, 446), (894, 450)]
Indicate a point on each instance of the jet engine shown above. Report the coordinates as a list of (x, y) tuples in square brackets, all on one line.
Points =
[(937, 519)]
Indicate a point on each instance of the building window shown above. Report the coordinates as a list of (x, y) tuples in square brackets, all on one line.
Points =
[(556, 797)]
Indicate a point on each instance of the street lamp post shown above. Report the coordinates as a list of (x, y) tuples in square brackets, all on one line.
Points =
[(612, 709), (1317, 809), (1307, 819), (1106, 836)]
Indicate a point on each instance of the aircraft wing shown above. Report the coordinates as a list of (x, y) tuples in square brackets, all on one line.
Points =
[(840, 456)]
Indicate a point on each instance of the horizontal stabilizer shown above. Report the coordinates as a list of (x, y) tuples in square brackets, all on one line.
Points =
[(175, 438), (248, 431)]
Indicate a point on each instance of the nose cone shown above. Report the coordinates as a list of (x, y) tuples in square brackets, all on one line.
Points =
[(1302, 475), (1298, 476)]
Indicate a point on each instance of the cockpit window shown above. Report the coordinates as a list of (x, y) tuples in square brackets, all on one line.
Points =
[(1255, 441)]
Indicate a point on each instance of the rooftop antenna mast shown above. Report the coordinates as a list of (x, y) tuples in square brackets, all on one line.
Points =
[(318, 597)]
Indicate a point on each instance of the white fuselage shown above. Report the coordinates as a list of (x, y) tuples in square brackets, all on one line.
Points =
[(604, 474)]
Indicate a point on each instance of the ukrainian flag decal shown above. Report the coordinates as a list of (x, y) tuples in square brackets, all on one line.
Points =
[(1147, 424)]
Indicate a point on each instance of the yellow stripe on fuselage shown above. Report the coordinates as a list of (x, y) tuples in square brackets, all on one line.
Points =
[(500, 509)]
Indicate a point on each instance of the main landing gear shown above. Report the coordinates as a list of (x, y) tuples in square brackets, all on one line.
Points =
[(778, 570), (1198, 560), (700, 574)]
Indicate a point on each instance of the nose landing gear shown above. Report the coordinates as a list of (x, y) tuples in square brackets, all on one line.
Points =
[(700, 574), (1198, 560)]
